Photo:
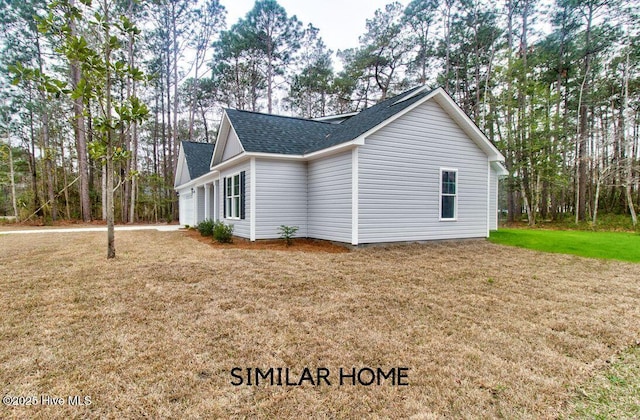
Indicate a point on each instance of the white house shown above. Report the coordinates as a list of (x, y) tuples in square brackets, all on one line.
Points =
[(194, 161), (413, 167)]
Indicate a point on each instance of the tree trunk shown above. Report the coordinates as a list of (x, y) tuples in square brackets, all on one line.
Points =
[(155, 135), (175, 93), (596, 199), (204, 122), (81, 148), (131, 91), (48, 164), (201, 51), (531, 217), (32, 166), (104, 191), (582, 158), (269, 77), (628, 144), (90, 161), (172, 131), (134, 165), (48, 152), (65, 182), (528, 191), (80, 133), (513, 204), (13, 184), (165, 210), (124, 168), (447, 32), (111, 247)]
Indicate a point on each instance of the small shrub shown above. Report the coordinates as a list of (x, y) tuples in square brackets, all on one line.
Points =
[(5, 220), (206, 227), (287, 233), (222, 232)]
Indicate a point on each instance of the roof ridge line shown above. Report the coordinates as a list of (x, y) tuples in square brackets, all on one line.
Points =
[(197, 142), (277, 115), (416, 91)]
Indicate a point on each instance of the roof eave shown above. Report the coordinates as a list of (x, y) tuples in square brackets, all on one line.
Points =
[(230, 162), (499, 167), (359, 141), (282, 156), (199, 180)]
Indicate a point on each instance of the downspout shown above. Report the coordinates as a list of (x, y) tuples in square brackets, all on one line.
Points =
[(354, 196), (488, 197), (252, 196)]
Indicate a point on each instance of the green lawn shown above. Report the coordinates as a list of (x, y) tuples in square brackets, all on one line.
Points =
[(608, 245)]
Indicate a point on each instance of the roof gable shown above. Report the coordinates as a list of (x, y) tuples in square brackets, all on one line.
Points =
[(232, 146), (182, 173), (467, 125), (197, 157)]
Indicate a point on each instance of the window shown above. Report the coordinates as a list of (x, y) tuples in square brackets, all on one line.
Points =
[(448, 194), (234, 196)]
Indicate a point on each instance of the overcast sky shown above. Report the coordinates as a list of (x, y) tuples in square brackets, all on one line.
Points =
[(341, 22)]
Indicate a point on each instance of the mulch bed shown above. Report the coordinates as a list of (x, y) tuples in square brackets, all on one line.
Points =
[(299, 244)]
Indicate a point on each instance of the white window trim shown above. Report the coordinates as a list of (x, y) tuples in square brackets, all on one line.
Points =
[(232, 196), (455, 200)]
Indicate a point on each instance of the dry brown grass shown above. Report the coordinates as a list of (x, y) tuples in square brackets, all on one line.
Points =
[(486, 330)]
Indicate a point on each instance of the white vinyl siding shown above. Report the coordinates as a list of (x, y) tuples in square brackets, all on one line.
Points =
[(281, 197), (493, 203), (241, 227), (232, 146), (182, 170), (329, 198), (399, 179), (184, 176)]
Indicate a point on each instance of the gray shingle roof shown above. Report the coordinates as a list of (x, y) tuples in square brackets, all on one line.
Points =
[(198, 157), (267, 133), (276, 134)]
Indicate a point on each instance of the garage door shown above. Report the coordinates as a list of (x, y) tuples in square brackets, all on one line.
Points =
[(186, 209)]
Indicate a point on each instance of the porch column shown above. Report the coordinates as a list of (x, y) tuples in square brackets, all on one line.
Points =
[(216, 205), (207, 201), (196, 201)]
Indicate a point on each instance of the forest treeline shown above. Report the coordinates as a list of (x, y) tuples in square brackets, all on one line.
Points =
[(97, 94)]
